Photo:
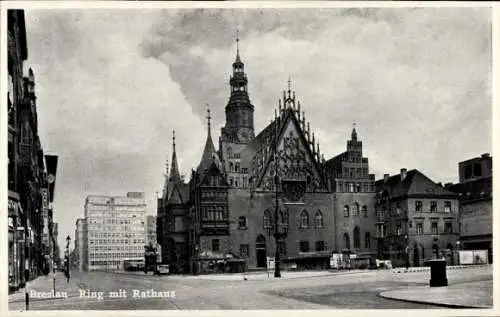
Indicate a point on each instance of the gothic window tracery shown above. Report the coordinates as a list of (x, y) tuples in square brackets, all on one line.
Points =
[(304, 219)]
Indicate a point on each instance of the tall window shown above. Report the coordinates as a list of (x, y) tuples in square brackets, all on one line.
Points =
[(448, 228), (356, 238), (242, 222), (346, 211), (304, 219), (320, 246), (244, 250), (351, 187), (347, 242), (304, 246), (267, 219), (215, 245), (447, 206), (434, 228), (368, 238), (283, 218), (282, 248), (365, 211), (418, 205), (433, 206), (318, 220), (356, 209)]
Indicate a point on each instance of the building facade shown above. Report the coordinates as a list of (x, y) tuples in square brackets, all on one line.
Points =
[(354, 200), (474, 190), (417, 219), (151, 230), (115, 230), (81, 247), (29, 206), (257, 194)]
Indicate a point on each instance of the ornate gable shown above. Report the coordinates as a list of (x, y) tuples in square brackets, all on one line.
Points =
[(175, 196), (298, 160)]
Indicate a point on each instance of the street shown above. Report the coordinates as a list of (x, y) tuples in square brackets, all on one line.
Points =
[(331, 291)]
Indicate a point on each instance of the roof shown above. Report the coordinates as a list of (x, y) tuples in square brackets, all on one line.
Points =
[(415, 183), (474, 190)]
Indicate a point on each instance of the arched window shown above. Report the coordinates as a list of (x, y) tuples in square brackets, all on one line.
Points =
[(356, 209), (347, 242), (365, 211), (229, 152), (267, 219), (356, 237), (304, 219), (318, 219), (230, 166), (368, 238), (346, 211), (242, 222)]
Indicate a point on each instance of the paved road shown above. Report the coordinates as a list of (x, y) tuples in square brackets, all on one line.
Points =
[(355, 291)]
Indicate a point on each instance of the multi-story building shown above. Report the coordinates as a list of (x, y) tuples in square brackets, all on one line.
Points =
[(115, 230), (81, 247), (28, 207), (417, 219), (256, 194), (476, 204), (354, 200)]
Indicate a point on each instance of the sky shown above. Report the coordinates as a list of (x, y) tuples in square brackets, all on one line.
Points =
[(113, 84)]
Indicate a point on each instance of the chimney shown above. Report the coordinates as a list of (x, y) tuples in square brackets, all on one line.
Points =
[(386, 178), (403, 174)]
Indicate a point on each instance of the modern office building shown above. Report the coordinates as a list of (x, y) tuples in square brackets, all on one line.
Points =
[(115, 230)]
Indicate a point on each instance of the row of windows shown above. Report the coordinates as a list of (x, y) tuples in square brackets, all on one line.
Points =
[(398, 229), (117, 241), (213, 195), (357, 239), (236, 182), (283, 219), (98, 234), (116, 255), (215, 213), (355, 210), (350, 187), (303, 247), (356, 172), (115, 248), (105, 263)]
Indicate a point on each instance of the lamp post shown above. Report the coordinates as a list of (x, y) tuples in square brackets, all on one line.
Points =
[(458, 252)]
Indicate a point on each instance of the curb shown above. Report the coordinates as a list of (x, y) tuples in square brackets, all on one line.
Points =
[(432, 303), (427, 269)]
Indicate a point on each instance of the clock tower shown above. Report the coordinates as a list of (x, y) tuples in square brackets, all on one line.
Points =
[(239, 129), (239, 110)]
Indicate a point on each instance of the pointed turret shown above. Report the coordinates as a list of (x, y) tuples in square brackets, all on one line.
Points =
[(209, 155), (354, 134), (175, 176)]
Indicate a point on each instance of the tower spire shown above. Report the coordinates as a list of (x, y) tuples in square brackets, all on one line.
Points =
[(174, 169), (354, 134), (208, 118)]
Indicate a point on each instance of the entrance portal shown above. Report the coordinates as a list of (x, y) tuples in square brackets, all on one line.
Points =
[(261, 251)]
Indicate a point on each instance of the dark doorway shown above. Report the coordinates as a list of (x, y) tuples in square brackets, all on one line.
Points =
[(416, 256), (261, 251)]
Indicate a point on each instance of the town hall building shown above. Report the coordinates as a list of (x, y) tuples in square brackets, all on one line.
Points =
[(258, 192)]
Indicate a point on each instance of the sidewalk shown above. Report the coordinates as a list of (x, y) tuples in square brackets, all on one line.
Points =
[(44, 289), (427, 268), (253, 276), (463, 295)]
